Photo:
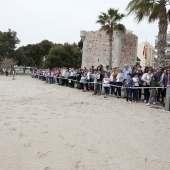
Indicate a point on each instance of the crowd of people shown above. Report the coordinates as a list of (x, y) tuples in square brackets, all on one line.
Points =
[(133, 81)]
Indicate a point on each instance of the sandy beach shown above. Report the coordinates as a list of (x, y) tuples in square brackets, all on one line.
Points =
[(50, 127)]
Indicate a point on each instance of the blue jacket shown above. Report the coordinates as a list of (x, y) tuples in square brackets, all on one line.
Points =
[(129, 82)]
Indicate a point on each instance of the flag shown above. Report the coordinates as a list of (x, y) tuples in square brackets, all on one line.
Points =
[(144, 51)]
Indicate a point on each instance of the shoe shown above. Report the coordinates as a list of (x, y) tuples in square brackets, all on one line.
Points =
[(148, 104), (118, 96), (126, 101), (144, 101), (154, 103), (93, 94), (104, 96), (130, 102)]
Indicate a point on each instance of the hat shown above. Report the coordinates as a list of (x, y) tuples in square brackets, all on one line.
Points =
[(125, 65)]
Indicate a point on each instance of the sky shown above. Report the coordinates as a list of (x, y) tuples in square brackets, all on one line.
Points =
[(61, 21)]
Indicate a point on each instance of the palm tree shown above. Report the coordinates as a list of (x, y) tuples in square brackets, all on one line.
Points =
[(153, 10), (109, 22)]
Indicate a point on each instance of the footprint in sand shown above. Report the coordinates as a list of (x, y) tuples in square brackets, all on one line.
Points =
[(41, 155), (47, 168), (35, 113), (21, 117), (7, 123), (45, 132), (156, 122), (7, 117), (27, 145), (13, 129), (21, 135)]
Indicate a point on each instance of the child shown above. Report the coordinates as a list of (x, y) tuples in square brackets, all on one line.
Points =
[(106, 85), (129, 85), (85, 82), (153, 92), (136, 85)]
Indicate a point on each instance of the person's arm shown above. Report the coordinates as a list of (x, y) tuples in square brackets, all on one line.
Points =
[(144, 77)]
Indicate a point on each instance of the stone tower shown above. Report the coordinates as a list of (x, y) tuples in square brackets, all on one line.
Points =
[(96, 48)]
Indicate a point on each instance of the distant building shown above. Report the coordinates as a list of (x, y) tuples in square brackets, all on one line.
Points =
[(146, 53), (167, 51), (96, 49)]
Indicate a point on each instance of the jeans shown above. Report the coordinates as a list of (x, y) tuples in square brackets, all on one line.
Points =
[(119, 84), (113, 88), (146, 93), (128, 94), (106, 90), (135, 93)]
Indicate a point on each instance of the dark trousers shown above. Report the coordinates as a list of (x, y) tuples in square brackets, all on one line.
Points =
[(146, 93), (139, 92), (66, 82), (113, 88), (72, 81), (128, 94), (119, 84), (63, 81), (135, 94), (106, 90)]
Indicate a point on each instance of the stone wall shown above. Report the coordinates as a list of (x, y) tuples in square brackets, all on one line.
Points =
[(129, 45), (96, 49)]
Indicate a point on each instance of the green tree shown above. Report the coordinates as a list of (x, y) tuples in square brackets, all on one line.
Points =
[(33, 54), (67, 55), (8, 41), (153, 10), (109, 22)]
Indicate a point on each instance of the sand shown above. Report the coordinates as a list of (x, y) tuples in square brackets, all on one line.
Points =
[(49, 127)]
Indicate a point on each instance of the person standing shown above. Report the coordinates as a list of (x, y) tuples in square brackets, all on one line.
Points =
[(119, 80), (129, 85), (153, 91), (113, 76), (158, 76), (136, 86), (125, 73), (106, 85), (98, 82), (147, 78)]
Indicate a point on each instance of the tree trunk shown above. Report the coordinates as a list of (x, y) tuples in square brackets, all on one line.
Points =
[(110, 45), (163, 24)]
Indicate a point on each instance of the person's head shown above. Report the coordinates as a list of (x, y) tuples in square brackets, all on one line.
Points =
[(136, 75), (168, 71), (149, 70), (126, 66), (160, 70), (107, 75), (129, 76), (114, 69), (154, 78)]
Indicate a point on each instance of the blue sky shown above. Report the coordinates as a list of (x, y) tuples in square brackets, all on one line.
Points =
[(61, 21)]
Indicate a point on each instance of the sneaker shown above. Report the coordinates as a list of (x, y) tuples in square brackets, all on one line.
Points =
[(154, 103), (144, 101), (126, 101), (148, 104), (130, 102)]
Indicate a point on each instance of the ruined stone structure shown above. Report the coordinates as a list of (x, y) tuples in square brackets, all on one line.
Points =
[(96, 49)]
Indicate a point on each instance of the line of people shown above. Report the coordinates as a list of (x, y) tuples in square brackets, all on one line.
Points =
[(113, 80)]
